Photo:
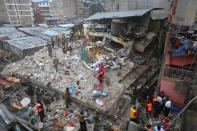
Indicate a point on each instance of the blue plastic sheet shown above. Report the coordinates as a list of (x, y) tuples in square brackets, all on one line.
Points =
[(181, 51)]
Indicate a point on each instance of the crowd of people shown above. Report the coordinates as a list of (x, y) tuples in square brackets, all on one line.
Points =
[(154, 105)]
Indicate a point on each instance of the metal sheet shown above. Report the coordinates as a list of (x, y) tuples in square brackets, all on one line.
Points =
[(27, 42)]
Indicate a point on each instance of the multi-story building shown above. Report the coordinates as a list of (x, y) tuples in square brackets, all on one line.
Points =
[(67, 8), (16, 12)]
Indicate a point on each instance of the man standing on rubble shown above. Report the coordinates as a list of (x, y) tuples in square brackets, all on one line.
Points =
[(49, 49), (133, 114), (81, 121), (40, 109), (96, 121), (167, 107), (52, 42), (157, 108), (67, 97), (65, 44), (55, 63), (148, 109)]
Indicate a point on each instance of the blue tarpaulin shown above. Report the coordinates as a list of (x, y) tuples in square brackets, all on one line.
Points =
[(181, 51)]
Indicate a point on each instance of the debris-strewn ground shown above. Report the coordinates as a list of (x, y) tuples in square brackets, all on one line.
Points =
[(6, 57)]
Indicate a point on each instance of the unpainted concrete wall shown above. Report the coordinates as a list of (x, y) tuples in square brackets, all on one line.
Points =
[(68, 8), (125, 5), (185, 12), (3, 12)]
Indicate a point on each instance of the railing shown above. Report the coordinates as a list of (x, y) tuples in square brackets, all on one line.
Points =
[(185, 73)]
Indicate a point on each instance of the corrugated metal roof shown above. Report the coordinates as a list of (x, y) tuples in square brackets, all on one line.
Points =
[(27, 42), (11, 33), (4, 30), (56, 30), (110, 15), (39, 1), (35, 31), (66, 25)]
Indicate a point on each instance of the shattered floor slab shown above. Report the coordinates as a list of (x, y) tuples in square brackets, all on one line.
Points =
[(39, 69)]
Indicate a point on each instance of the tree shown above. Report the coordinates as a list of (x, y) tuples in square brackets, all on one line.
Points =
[(94, 6)]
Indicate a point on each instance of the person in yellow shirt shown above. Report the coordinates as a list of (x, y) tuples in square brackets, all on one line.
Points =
[(133, 114)]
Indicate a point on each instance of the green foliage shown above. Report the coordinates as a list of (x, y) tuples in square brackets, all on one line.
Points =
[(94, 8)]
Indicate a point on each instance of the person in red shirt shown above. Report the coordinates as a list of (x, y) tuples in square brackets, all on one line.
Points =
[(40, 108), (166, 124)]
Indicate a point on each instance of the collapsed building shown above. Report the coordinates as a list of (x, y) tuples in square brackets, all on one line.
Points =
[(126, 56)]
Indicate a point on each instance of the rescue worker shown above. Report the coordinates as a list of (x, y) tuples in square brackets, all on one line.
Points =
[(157, 108), (78, 34), (96, 120), (100, 76), (63, 41), (148, 127), (52, 42), (67, 97), (81, 121), (55, 63), (57, 41), (40, 109), (133, 114), (64, 45), (161, 93), (49, 49), (148, 109), (158, 128), (166, 124), (167, 107), (71, 36)]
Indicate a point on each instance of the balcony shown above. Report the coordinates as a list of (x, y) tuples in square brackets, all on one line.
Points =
[(184, 73)]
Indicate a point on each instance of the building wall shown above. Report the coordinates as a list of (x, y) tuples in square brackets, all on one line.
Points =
[(125, 5), (186, 12), (67, 8), (3, 12), (18, 11)]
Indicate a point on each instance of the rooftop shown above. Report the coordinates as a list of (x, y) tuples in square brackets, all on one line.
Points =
[(27, 42), (123, 14)]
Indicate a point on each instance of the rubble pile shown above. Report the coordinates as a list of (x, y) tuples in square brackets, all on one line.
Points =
[(71, 73)]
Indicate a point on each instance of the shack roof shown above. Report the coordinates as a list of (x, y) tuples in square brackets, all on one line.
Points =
[(38, 1), (55, 31), (27, 42), (68, 26), (11, 33), (4, 30), (35, 31), (123, 14)]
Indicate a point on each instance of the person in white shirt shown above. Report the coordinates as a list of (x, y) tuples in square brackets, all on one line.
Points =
[(158, 128), (159, 99), (167, 107)]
